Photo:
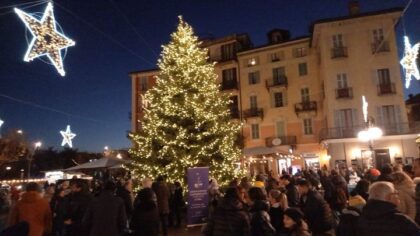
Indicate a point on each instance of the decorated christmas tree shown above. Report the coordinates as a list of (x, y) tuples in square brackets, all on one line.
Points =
[(187, 120)]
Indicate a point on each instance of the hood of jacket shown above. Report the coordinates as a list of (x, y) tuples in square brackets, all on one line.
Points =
[(375, 209), (30, 197), (231, 205)]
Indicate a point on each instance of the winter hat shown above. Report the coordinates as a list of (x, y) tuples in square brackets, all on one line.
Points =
[(295, 214), (375, 172)]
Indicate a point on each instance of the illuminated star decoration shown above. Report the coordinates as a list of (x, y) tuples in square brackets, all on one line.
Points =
[(67, 137), (365, 108), (408, 62), (47, 40)]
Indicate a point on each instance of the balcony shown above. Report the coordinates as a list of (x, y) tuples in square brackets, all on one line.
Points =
[(229, 85), (384, 89), (253, 112), (234, 112), (284, 140), (380, 46), (387, 129), (338, 52), (344, 93), (305, 107), (276, 82)]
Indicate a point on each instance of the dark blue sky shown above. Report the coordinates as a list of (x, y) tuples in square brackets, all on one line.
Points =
[(97, 89)]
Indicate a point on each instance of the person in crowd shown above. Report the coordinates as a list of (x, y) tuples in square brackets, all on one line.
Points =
[(316, 210), (14, 195), (408, 169), (294, 223), (77, 203), (380, 215), (229, 218), (291, 190), (124, 191), (260, 181), (357, 201), (362, 188), (33, 209), (145, 219), (407, 191), (416, 170), (58, 208), (214, 195), (349, 219), (328, 186), (106, 213), (176, 204), (340, 195), (260, 219), (4, 209), (162, 195), (245, 184), (386, 173), (278, 204), (49, 192), (243, 197)]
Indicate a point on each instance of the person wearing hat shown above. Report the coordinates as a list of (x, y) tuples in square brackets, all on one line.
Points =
[(278, 203), (294, 223)]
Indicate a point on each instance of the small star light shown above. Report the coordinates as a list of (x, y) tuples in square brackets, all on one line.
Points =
[(67, 137), (47, 40), (408, 62), (365, 108)]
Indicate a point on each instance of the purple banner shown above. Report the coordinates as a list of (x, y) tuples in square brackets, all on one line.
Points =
[(198, 182)]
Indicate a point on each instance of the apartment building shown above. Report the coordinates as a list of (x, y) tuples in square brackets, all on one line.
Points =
[(300, 99)]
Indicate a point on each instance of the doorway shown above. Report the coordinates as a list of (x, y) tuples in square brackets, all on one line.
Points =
[(382, 158)]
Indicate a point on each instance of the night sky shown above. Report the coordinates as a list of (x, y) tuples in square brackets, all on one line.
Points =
[(115, 37)]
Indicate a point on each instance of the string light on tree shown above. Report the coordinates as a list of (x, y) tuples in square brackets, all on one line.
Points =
[(46, 39), (408, 62), (67, 137), (1, 122)]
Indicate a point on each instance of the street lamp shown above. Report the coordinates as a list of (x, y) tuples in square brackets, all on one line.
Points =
[(37, 145), (19, 131), (8, 168)]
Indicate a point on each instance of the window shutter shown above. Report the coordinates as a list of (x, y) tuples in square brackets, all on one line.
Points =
[(398, 118), (354, 117), (379, 116), (337, 120), (285, 98)]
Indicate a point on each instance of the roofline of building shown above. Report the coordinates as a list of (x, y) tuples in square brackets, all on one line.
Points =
[(143, 71), (223, 39), (273, 45)]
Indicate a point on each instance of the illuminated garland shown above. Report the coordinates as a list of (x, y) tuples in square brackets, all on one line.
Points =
[(47, 40), (67, 137), (408, 62), (187, 122)]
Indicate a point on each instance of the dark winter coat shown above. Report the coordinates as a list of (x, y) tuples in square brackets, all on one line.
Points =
[(145, 219), (177, 199), (383, 218), (58, 208), (228, 219), (276, 216), (106, 215), (317, 212), (417, 182), (260, 220), (349, 219), (162, 195), (292, 195), (125, 195), (77, 204)]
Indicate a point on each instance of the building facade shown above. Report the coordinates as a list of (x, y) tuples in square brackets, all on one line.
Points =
[(300, 100)]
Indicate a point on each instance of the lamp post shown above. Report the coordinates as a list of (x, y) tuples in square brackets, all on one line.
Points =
[(31, 157)]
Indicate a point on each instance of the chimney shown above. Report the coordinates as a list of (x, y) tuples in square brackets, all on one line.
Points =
[(354, 7)]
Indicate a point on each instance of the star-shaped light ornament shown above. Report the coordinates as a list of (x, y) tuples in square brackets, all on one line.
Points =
[(47, 40), (365, 108), (408, 62), (67, 137)]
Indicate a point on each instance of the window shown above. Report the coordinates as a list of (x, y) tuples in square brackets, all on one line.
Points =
[(388, 114), (255, 131), (337, 41), (304, 94), (254, 77), (345, 118), (278, 99), (253, 102), (280, 129), (228, 51), (143, 83), (229, 75), (252, 62), (378, 35), (274, 57), (307, 126), (383, 77), (303, 69), (342, 81), (300, 52), (278, 75)]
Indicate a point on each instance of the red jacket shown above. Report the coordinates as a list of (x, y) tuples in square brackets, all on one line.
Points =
[(35, 210)]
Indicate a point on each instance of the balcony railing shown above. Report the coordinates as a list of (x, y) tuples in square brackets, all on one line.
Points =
[(338, 52), (229, 85), (275, 82), (305, 107), (388, 88), (284, 140), (253, 112), (380, 46), (344, 93), (387, 129)]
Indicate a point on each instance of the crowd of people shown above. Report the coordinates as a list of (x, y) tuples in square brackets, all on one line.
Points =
[(383, 202)]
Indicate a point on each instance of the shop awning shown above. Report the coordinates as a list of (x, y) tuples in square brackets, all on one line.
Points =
[(256, 151), (106, 162)]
